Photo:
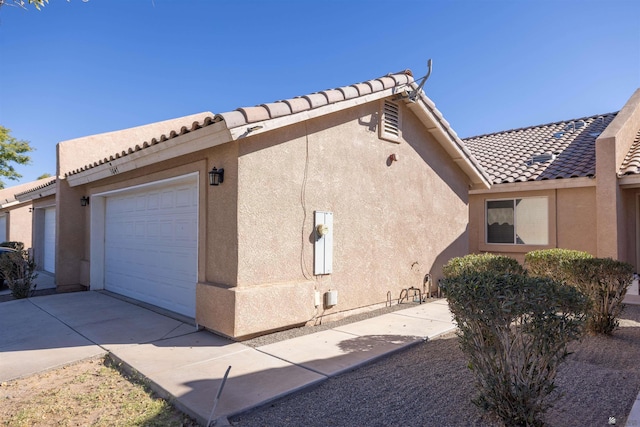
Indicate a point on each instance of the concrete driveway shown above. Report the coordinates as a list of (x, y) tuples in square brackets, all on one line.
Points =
[(188, 365)]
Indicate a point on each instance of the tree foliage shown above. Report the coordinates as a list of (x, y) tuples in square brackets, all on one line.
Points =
[(12, 151), (38, 4)]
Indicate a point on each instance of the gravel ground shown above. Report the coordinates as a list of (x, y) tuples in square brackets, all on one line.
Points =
[(429, 385), (296, 332)]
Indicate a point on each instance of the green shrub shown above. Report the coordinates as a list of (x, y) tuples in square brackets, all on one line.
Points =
[(479, 263), (514, 329), (605, 282), (18, 269), (18, 246), (552, 263)]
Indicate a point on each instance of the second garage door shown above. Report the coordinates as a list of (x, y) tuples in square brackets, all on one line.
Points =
[(50, 240), (151, 247)]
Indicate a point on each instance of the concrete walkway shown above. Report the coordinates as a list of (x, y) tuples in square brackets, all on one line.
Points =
[(46, 332)]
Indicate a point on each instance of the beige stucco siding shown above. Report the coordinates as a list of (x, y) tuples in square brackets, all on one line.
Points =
[(572, 221), (393, 221), (576, 219), (19, 224)]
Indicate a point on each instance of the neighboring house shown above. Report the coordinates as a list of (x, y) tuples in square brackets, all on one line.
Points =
[(40, 196), (16, 214), (573, 184), (329, 202)]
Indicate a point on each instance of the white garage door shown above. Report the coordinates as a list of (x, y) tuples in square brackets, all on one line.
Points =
[(3, 228), (49, 246), (151, 247)]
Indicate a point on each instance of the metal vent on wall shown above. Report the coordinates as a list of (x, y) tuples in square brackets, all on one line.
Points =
[(391, 119)]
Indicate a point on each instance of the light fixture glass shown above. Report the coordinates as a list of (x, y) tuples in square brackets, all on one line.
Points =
[(216, 176)]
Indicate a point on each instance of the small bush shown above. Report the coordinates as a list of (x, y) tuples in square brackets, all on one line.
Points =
[(514, 329), (555, 264), (18, 246), (479, 263), (18, 269), (605, 282)]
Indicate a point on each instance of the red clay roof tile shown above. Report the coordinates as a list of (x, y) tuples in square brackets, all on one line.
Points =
[(572, 142)]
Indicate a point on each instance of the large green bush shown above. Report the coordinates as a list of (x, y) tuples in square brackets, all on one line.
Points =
[(479, 263), (605, 282), (555, 264), (514, 329), (18, 271)]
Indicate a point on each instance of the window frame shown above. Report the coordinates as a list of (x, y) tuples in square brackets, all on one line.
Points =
[(515, 246)]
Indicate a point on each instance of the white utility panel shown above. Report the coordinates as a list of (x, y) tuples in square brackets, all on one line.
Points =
[(323, 247)]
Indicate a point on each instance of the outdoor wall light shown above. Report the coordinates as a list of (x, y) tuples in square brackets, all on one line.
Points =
[(84, 201), (216, 176)]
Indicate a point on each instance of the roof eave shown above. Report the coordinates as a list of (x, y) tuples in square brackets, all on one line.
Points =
[(199, 139), (425, 110), (37, 193), (629, 181), (255, 128), (547, 184)]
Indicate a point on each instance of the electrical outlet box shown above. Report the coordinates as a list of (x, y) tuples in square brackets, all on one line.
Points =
[(331, 298), (316, 298)]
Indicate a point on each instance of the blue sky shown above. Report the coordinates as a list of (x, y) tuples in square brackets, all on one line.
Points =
[(80, 68)]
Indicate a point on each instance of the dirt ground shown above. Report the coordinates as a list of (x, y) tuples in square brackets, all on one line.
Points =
[(88, 393)]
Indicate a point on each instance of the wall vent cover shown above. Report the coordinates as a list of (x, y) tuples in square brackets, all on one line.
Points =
[(391, 120)]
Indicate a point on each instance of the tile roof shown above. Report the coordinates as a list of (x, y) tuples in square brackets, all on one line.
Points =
[(132, 141), (248, 115), (236, 121), (38, 186), (631, 163), (551, 151), (10, 194)]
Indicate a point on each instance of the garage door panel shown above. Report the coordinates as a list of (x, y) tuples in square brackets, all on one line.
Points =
[(151, 246), (3, 228), (49, 243)]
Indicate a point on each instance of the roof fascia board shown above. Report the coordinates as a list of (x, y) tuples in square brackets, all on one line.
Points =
[(550, 184), (279, 122), (459, 156), (9, 204), (629, 181), (199, 139), (38, 194)]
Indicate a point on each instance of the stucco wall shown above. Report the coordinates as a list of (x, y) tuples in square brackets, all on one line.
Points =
[(576, 221), (572, 221), (19, 224), (611, 148), (393, 221)]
